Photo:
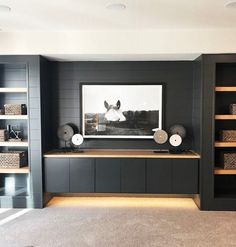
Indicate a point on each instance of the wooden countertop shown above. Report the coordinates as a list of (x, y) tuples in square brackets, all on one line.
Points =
[(118, 153)]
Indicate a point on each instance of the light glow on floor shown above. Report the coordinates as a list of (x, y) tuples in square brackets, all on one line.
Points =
[(14, 216), (3, 210), (122, 202)]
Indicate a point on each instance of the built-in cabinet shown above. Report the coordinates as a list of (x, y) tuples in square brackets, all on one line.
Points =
[(20, 83), (121, 175), (204, 88), (14, 183), (218, 81)]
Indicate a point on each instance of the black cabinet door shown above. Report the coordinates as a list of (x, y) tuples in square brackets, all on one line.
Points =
[(133, 175), (107, 175), (56, 174), (185, 176), (159, 176), (81, 175)]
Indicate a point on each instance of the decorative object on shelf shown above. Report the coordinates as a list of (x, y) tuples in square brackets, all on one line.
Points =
[(160, 136), (3, 135), (77, 139), (228, 135), (13, 159), (175, 140), (232, 109), (14, 134), (178, 133), (229, 160), (65, 133), (15, 109), (23, 109), (179, 130), (1, 111)]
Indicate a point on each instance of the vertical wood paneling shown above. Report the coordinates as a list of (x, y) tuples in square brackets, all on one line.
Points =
[(177, 78)]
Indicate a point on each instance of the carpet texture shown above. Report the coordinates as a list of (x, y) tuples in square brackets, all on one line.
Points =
[(119, 222)]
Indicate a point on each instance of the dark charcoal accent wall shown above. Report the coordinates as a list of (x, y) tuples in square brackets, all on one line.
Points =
[(46, 106), (177, 78), (197, 118), (197, 104), (46, 111)]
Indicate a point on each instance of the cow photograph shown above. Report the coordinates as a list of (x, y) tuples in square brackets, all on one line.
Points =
[(121, 111)]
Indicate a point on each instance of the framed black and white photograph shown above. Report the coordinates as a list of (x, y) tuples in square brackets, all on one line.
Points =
[(121, 111)]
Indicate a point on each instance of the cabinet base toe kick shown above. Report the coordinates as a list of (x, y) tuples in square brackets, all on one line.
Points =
[(144, 176)]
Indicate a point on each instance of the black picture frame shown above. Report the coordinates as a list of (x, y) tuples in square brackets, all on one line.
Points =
[(159, 87)]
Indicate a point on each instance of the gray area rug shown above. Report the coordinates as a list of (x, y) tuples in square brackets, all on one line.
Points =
[(118, 222)]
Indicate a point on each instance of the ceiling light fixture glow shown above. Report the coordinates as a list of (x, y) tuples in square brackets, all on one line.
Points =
[(116, 6), (5, 8), (230, 4)]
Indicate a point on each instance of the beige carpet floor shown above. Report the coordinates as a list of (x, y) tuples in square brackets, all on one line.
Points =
[(117, 222)]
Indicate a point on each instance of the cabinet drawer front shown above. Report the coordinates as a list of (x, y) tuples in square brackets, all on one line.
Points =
[(133, 175), (56, 172), (159, 176), (81, 175), (185, 176), (107, 175)]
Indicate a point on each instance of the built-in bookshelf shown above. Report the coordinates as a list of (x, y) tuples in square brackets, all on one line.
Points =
[(14, 90), (225, 94)]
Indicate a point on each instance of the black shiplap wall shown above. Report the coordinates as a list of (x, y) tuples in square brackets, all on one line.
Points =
[(177, 78), (197, 104)]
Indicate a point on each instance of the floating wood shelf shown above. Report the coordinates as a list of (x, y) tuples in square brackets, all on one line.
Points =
[(220, 171), (14, 144), (13, 90), (105, 153), (225, 144), (225, 117), (225, 89), (24, 169), (13, 116)]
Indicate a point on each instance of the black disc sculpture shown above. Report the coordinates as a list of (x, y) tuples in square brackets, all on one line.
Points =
[(65, 133)]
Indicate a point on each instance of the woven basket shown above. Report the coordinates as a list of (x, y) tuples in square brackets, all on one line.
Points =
[(13, 159), (232, 109), (228, 135), (3, 135), (12, 109), (229, 160)]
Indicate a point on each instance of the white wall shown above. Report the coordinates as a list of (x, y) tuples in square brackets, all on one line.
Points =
[(130, 45)]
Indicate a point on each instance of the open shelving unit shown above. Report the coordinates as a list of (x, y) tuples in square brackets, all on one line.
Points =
[(220, 171), (14, 144), (24, 170), (225, 94), (225, 89), (225, 144), (14, 90), (225, 117), (13, 117)]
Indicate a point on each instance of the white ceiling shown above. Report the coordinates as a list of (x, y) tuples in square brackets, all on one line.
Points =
[(92, 15)]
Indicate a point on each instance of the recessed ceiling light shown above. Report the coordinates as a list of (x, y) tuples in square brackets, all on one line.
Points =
[(230, 4), (4, 8), (116, 6)]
